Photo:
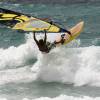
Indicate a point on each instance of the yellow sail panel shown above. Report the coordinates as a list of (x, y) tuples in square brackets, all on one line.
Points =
[(33, 25), (21, 18), (54, 28), (11, 18), (4, 16)]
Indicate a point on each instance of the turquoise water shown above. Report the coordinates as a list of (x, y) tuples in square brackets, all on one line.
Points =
[(67, 73)]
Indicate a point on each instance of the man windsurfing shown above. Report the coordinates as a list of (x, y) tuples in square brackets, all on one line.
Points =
[(44, 45)]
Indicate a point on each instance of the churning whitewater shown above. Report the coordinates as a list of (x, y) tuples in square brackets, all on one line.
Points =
[(69, 65), (61, 97)]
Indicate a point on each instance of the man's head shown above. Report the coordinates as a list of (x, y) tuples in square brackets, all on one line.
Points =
[(41, 42)]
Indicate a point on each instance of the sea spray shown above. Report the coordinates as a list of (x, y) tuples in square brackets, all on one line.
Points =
[(17, 56), (78, 66), (18, 75)]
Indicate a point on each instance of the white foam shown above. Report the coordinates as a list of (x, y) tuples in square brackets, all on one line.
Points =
[(61, 97), (17, 56), (79, 66), (89, 71), (18, 75), (3, 99), (65, 97)]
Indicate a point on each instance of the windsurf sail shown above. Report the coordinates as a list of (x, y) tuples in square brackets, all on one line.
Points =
[(24, 22)]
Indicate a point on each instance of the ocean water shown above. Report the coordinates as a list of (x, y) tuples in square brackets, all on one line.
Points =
[(70, 72)]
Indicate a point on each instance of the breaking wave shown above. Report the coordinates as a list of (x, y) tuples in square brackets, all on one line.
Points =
[(68, 65)]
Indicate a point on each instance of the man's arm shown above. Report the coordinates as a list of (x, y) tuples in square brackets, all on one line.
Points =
[(45, 37), (61, 41), (57, 42), (35, 38)]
